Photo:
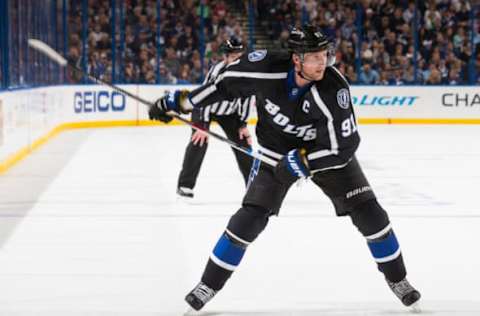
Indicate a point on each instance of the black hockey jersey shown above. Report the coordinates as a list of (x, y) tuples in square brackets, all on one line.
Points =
[(318, 117), (240, 107)]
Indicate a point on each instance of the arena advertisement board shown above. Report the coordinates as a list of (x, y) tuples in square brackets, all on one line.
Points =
[(425, 102), (461, 99), (27, 115), (98, 103)]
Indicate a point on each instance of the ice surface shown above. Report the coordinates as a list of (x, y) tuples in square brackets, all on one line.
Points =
[(90, 225)]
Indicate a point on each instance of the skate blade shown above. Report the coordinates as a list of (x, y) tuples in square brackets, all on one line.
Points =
[(185, 200), (190, 312), (415, 308)]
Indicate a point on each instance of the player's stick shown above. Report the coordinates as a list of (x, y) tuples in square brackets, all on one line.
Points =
[(59, 59)]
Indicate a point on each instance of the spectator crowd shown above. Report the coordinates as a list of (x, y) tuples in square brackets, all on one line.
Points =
[(375, 40), (179, 41)]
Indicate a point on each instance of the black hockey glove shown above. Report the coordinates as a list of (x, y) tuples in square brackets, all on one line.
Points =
[(170, 102), (157, 112), (292, 167)]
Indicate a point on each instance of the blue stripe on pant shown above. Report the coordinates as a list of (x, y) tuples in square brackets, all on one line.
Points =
[(253, 171), (385, 249), (227, 254)]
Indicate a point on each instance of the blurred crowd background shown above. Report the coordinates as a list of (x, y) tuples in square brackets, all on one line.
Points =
[(378, 42)]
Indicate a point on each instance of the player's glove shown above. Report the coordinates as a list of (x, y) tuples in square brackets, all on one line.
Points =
[(157, 112), (292, 166), (170, 102)]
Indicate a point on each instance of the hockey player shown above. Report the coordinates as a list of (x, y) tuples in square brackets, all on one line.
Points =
[(230, 115), (306, 122)]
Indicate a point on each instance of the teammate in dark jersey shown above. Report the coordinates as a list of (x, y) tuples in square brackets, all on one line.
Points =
[(306, 122), (231, 115)]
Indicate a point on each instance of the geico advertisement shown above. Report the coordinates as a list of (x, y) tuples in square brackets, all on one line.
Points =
[(90, 103)]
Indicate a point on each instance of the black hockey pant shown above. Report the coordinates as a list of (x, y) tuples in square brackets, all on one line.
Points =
[(349, 191)]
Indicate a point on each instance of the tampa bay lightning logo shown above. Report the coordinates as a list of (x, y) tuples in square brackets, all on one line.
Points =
[(343, 98), (257, 55)]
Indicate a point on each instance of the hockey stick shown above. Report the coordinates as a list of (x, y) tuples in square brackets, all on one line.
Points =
[(59, 59)]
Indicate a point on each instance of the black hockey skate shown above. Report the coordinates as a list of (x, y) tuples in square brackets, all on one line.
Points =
[(405, 292), (199, 296), (185, 193)]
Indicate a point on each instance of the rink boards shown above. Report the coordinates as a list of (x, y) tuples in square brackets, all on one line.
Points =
[(29, 117)]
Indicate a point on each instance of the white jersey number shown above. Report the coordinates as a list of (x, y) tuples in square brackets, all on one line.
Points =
[(349, 126)]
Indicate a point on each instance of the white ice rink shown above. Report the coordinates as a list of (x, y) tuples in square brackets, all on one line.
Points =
[(89, 225)]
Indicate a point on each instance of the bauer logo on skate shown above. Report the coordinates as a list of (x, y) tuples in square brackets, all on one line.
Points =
[(98, 101)]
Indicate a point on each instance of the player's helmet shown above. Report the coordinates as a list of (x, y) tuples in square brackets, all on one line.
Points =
[(307, 39), (232, 45)]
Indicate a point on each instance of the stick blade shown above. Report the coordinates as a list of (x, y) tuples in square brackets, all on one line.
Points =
[(47, 50)]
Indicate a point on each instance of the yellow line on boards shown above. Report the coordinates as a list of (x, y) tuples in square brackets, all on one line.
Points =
[(22, 153), (25, 151)]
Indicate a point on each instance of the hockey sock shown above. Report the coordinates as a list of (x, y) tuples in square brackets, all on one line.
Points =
[(372, 221), (386, 252), (225, 258)]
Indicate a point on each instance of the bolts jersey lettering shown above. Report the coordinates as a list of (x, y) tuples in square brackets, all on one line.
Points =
[(305, 132)]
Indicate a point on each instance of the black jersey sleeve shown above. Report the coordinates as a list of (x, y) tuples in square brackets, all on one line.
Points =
[(239, 82), (337, 135), (240, 78), (209, 93), (222, 98), (207, 100)]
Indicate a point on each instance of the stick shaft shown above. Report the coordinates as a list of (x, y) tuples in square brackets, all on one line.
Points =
[(51, 53)]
